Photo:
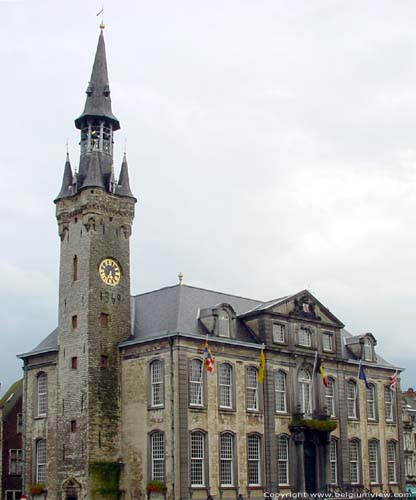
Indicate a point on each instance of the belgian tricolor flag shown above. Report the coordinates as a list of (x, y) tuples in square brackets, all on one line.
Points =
[(321, 371)]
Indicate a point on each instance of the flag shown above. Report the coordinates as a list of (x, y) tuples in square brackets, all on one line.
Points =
[(362, 375), (209, 359), (262, 364), (393, 380), (321, 371)]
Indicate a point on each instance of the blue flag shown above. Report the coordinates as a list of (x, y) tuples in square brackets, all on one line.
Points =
[(362, 375)]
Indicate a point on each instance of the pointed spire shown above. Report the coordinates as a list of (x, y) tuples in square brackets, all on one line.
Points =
[(67, 180), (93, 177), (123, 188), (98, 103)]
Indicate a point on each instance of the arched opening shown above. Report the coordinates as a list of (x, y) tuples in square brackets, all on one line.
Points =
[(71, 490)]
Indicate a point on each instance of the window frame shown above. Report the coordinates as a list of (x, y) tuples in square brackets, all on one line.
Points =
[(376, 462), (370, 399), (282, 393), (282, 331), (304, 387), (231, 461), (41, 466), (333, 462), (154, 475), (254, 390), (331, 397), (330, 336), (200, 460), (305, 330), (15, 462), (357, 444), (41, 395), (223, 386), (368, 350), (352, 403), (201, 383), (390, 418), (157, 362), (285, 460), (391, 463), (257, 437)]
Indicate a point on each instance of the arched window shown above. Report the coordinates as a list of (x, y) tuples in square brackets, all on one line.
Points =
[(352, 402), (371, 402), (156, 383), (355, 461), (304, 391), (391, 462), (253, 460), (224, 324), (388, 404), (330, 397), (227, 459), (197, 459), (41, 461), (333, 461), (42, 394), (225, 380), (157, 456), (280, 391), (374, 461), (252, 389), (368, 350), (196, 392), (283, 460)]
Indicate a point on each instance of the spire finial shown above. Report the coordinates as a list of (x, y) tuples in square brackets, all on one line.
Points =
[(180, 276)]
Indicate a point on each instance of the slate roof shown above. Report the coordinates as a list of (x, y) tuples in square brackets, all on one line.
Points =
[(175, 309)]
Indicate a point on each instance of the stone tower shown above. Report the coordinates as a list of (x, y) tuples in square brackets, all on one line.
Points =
[(95, 215)]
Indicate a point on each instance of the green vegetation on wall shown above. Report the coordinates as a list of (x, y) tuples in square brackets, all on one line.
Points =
[(105, 479)]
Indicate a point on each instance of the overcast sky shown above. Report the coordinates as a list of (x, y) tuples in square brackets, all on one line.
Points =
[(271, 145)]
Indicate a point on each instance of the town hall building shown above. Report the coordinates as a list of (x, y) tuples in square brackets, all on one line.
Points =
[(118, 404)]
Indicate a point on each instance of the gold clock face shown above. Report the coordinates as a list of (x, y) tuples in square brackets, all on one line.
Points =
[(110, 271)]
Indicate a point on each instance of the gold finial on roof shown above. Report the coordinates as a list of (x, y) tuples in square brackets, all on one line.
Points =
[(102, 25), (180, 276)]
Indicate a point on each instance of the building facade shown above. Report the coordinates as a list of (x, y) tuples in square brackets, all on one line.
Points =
[(11, 453), (409, 438), (118, 403)]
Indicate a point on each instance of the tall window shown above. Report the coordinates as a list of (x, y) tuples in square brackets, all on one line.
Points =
[(75, 268), (278, 333), (327, 342), (15, 462), (352, 399), (252, 389), (408, 465), (371, 402), (330, 397), (333, 461), (283, 460), (253, 458), (224, 324), (354, 455), (305, 337), (304, 389), (196, 383), (157, 451), (368, 350), (373, 459), (156, 383), (41, 461), (280, 391), (42, 394), (227, 459), (197, 459), (388, 404), (225, 385), (407, 437), (391, 462)]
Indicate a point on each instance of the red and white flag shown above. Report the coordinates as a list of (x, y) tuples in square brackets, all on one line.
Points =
[(393, 380)]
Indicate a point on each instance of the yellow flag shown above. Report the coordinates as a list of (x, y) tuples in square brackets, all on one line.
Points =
[(262, 364)]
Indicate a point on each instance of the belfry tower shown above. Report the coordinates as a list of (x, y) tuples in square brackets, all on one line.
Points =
[(95, 214)]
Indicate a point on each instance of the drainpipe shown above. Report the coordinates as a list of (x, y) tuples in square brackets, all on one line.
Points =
[(172, 416), (24, 416)]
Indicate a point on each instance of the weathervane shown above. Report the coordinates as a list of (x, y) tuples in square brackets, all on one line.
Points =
[(102, 25)]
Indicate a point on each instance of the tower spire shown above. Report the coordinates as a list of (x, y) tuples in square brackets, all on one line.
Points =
[(123, 187), (98, 102), (67, 180)]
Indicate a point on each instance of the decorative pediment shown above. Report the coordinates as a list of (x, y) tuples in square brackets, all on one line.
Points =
[(305, 307)]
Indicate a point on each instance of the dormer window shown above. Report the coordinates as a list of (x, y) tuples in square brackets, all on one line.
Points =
[(224, 324), (368, 350), (305, 337)]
